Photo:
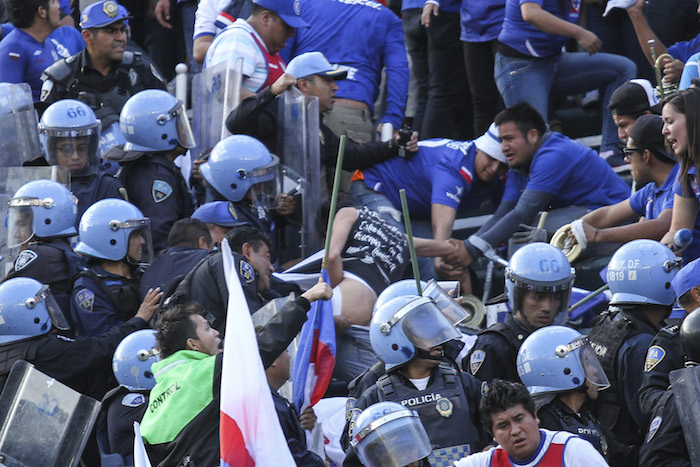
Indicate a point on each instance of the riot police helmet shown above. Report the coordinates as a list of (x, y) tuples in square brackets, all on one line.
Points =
[(133, 359), (115, 230), (557, 359), (690, 337), (539, 271), (640, 273), (41, 208), (241, 165), (398, 289), (405, 324), (70, 135), (387, 433), (28, 310), (153, 120)]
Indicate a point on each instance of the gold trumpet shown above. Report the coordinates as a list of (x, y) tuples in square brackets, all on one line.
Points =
[(663, 89)]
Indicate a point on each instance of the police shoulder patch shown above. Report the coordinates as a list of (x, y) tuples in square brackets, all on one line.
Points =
[(161, 191), (133, 400), (85, 299), (654, 427), (475, 361), (247, 272), (24, 259), (654, 356)]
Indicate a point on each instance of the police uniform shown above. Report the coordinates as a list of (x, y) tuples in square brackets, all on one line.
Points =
[(448, 409), (120, 408), (621, 339), (91, 188), (665, 354), (495, 350), (664, 444), (170, 263), (52, 262), (101, 300), (156, 186), (556, 416), (75, 78), (293, 431)]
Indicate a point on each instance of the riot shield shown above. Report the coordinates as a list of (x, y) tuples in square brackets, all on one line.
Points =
[(685, 384), (19, 137), (216, 91), (11, 179), (299, 150), (44, 422)]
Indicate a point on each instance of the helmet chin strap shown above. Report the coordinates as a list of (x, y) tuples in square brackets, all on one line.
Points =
[(426, 355)]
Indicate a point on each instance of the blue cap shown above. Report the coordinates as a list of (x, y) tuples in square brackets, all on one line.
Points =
[(288, 10), (221, 213), (687, 278), (101, 14), (314, 63)]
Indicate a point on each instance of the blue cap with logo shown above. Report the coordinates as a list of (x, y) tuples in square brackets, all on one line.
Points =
[(221, 213), (687, 278), (101, 14), (288, 10), (314, 63)]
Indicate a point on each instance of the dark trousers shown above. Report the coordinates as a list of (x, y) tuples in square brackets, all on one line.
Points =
[(486, 101), (416, 39)]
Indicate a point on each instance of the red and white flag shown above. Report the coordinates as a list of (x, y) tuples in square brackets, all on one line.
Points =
[(249, 431)]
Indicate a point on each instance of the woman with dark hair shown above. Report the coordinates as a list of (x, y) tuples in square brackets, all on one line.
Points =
[(681, 114)]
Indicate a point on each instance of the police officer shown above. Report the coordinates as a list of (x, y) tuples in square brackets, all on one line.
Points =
[(69, 134), (115, 236), (538, 282), (31, 320), (561, 372), (639, 275), (42, 216), (407, 334), (104, 75), (388, 430), (126, 404), (240, 169), (157, 131), (665, 353), (666, 443)]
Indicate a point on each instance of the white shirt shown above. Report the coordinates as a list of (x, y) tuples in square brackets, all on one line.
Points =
[(577, 453)]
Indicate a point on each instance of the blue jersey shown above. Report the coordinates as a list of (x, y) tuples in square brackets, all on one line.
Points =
[(570, 171), (650, 200), (450, 6), (23, 59), (526, 38), (690, 71), (365, 36), (68, 41), (693, 250), (684, 49), (442, 172), (481, 19)]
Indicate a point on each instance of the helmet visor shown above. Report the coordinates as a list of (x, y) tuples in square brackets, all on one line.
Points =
[(397, 438), (425, 325), (558, 298), (57, 318), (184, 131), (591, 364), (20, 223), (140, 251), (452, 310), (77, 153), (265, 189)]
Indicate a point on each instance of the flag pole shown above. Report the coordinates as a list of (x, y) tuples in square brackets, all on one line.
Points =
[(409, 234), (334, 199)]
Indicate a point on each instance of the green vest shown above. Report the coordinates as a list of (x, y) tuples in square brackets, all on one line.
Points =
[(184, 387)]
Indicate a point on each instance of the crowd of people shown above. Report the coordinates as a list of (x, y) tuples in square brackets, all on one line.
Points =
[(115, 280)]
